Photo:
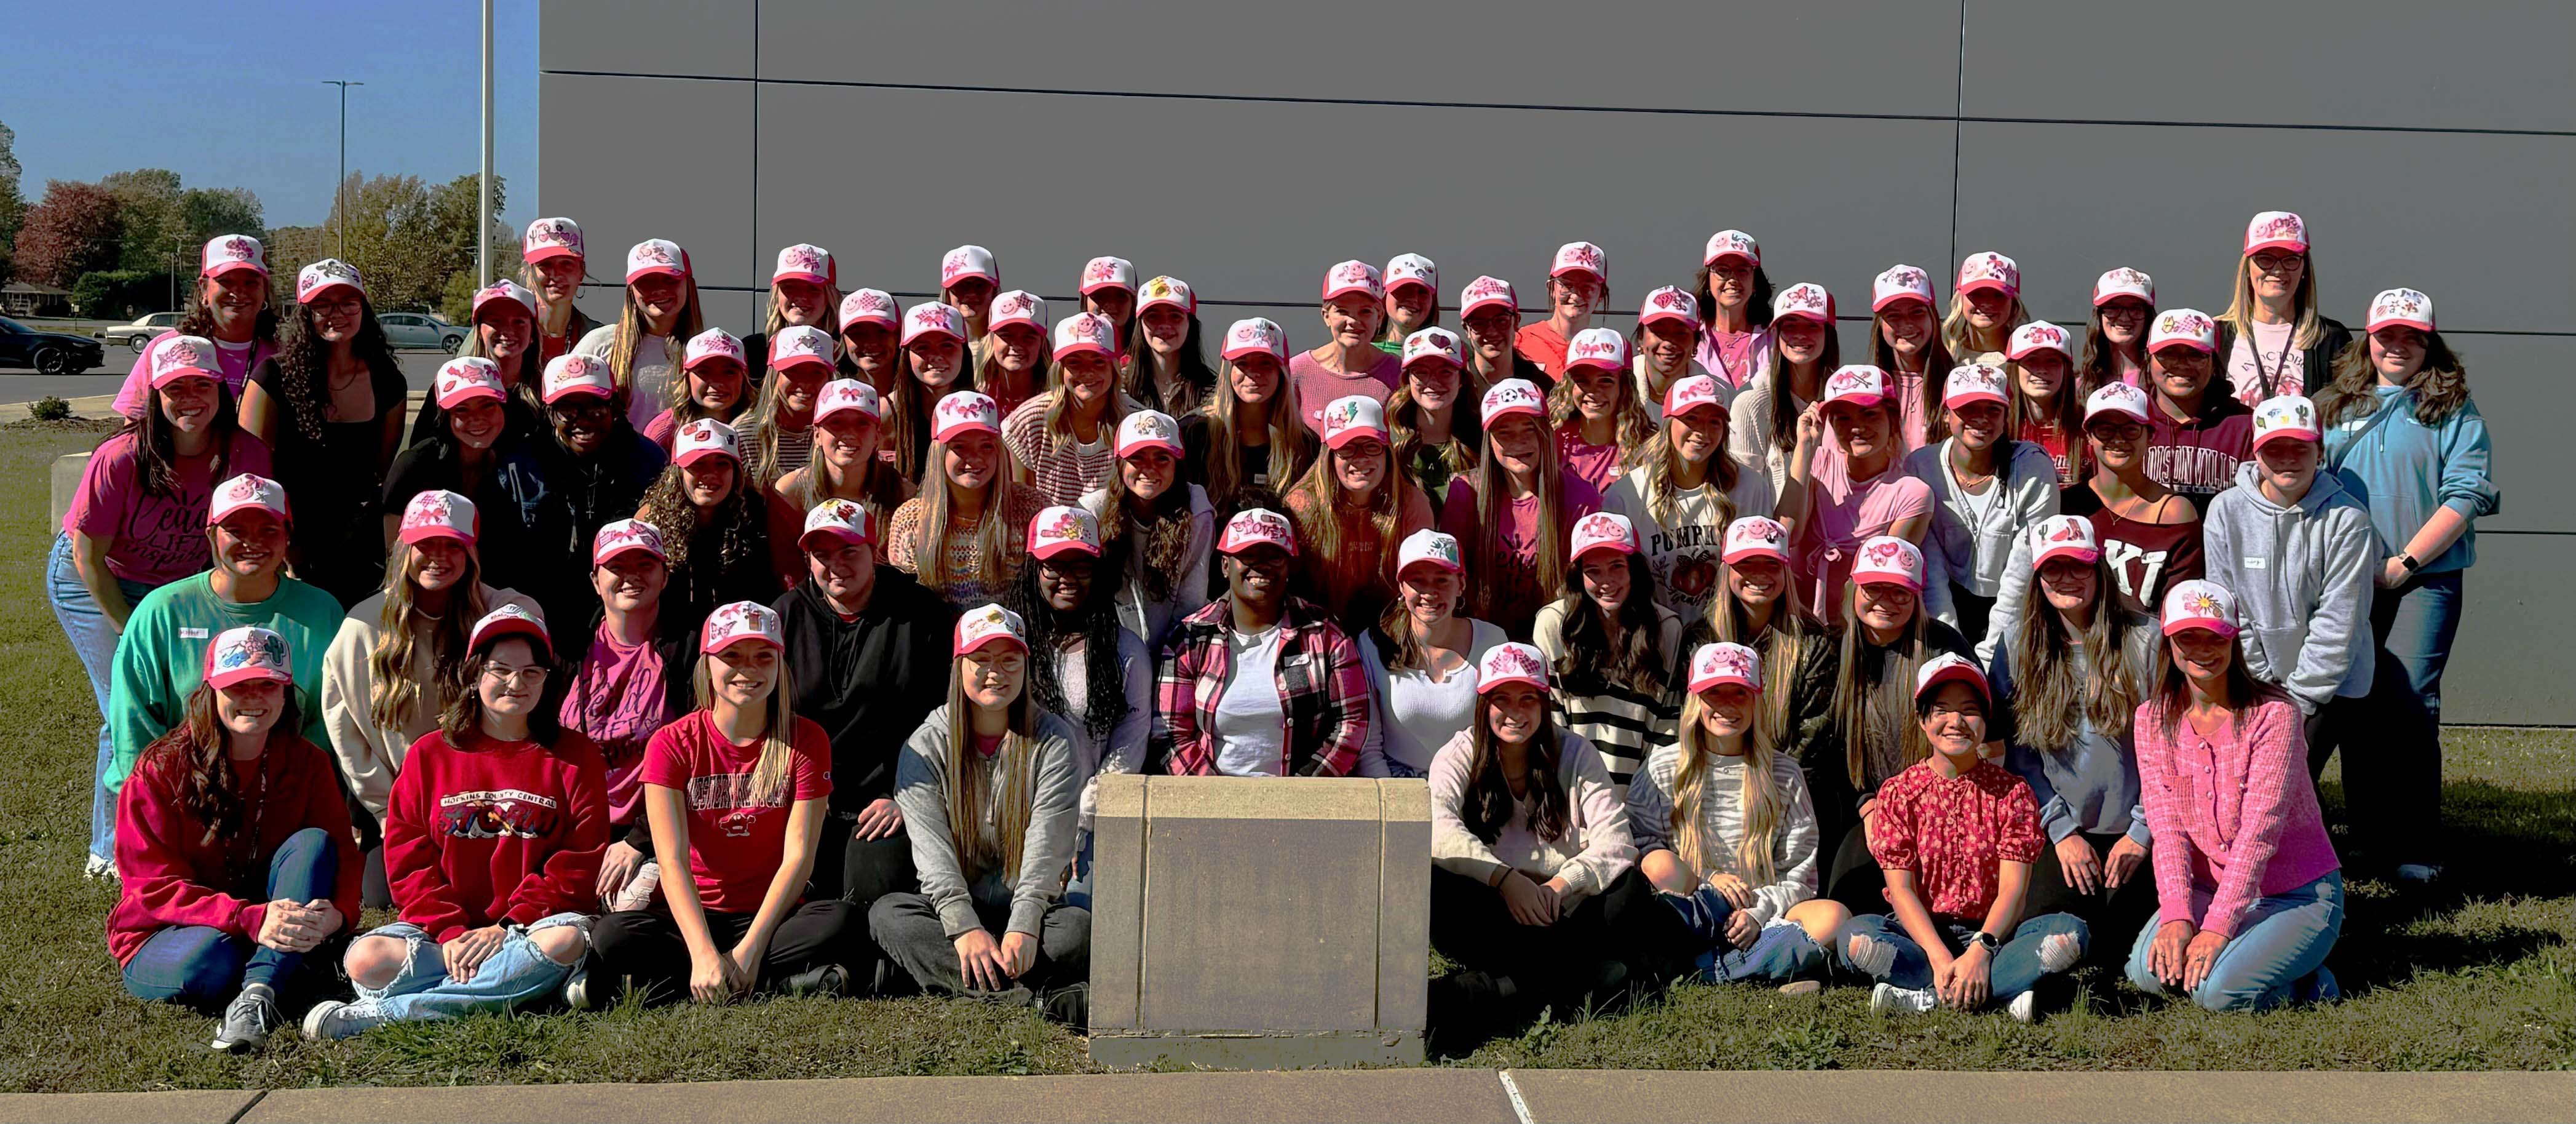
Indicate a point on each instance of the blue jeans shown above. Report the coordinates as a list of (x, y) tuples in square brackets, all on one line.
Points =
[(203, 966), (2416, 623), (1781, 951), (1077, 891), (2038, 948), (2277, 956), (512, 976), (93, 642)]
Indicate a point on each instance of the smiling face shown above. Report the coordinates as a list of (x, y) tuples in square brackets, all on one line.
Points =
[(1596, 392), (716, 385), (1988, 309), (2288, 464), (1490, 332), (871, 348), (1886, 607), (709, 480), (1167, 330), (505, 329), (993, 674), (248, 709), (2204, 656), (1512, 712), (1730, 282), (1148, 473), (657, 296), (1573, 295), (582, 422), (631, 582), (2124, 321), (2397, 352), (512, 680), (437, 564), (1065, 580), (1351, 319), (1257, 575), (1086, 378), (848, 439), (558, 279), (1801, 341), (336, 315), (235, 301), (2181, 371), (1408, 307), (1432, 384), (1861, 429), (1429, 592), (1757, 580), (1516, 442), (744, 673), (249, 543), (1955, 723), (1253, 378), (2042, 373), (798, 387), (844, 570), (1667, 345), (1978, 424), (1696, 434), (2277, 273), (972, 296), (2068, 584), (1113, 302), (1606, 580), (935, 362), (476, 422), (189, 404), (1906, 326), (800, 301), (972, 460), (1023, 348), (1360, 466), (2119, 441), (1727, 710)]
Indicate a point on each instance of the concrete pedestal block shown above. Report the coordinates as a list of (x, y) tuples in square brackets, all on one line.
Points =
[(66, 485), (1260, 923)]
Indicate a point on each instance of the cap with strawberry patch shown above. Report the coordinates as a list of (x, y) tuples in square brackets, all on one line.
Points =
[(838, 521)]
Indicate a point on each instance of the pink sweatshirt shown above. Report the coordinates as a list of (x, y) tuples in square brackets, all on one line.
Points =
[(2235, 819)]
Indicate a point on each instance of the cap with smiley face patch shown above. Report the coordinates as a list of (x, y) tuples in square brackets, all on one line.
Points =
[(848, 396), (1434, 343), (622, 537), (499, 291), (1806, 299), (1950, 667), (1581, 257), (800, 345), (1603, 530), (1411, 269), (440, 514), (1731, 244), (1898, 283), (2123, 282), (2035, 337), (568, 375), (1510, 397), (247, 492), (1257, 526), (1859, 384), (1971, 383), (1108, 273), (1055, 530), (2276, 230), (2400, 307), (244, 654), (1886, 558), (551, 238), (838, 521), (1694, 392), (2117, 398), (2064, 536), (1669, 303), (1148, 429), (2285, 416), (2199, 603), (324, 276), (1756, 536), (1488, 292), (1167, 292), (1086, 332), (2183, 327), (870, 306), (230, 253), (714, 343), (1725, 664), (1350, 418), (1427, 547), (989, 624), (741, 622), (1510, 663), (805, 262), (466, 378), (512, 619), (931, 319), (1599, 348), (963, 412), (181, 357), (703, 438), (1990, 270), (1256, 336), (1018, 307), (965, 262), (1353, 277), (656, 257)]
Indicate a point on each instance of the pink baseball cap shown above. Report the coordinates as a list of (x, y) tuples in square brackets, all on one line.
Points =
[(245, 653), (1434, 343), (1990, 270), (1148, 429), (1602, 530), (1509, 663), (2184, 327), (1352, 417), (968, 261), (840, 521), (870, 306), (656, 255), (1886, 558), (1017, 306), (1860, 384), (465, 378), (440, 514), (931, 318), (1167, 292), (1055, 530), (1972, 382), (1581, 257), (1427, 547), (1601, 348), (843, 396), (703, 438), (741, 622), (1487, 292), (1693, 392), (551, 238), (1411, 269), (2123, 281), (226, 253), (1513, 396), (2064, 536), (2118, 398), (1353, 277), (2276, 230), (247, 491), (512, 619), (800, 345), (180, 357), (323, 276), (1756, 536), (1731, 244), (502, 290), (1257, 526), (805, 262), (2037, 336), (1724, 663), (1898, 283), (714, 343), (1951, 667), (2400, 306), (988, 624), (1669, 303), (1086, 332), (570, 374), (1108, 273), (2200, 603), (626, 536), (1807, 299), (1256, 336), (963, 412), (2285, 415)]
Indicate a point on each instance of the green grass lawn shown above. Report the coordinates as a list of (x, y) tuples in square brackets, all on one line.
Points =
[(2478, 975)]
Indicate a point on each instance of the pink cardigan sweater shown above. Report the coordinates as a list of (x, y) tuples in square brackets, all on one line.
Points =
[(2235, 818)]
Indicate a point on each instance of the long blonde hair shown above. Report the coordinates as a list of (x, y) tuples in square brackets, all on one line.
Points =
[(2241, 304), (1494, 512), (1784, 645), (1956, 335), (1864, 710), (1661, 458), (393, 691), (770, 775), (761, 454), (1292, 446), (1015, 765), (774, 320), (1059, 411), (632, 331), (1761, 802), (1324, 522), (997, 542)]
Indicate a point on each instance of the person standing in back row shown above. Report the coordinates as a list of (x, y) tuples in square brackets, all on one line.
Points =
[(2272, 340), (2198, 433), (1349, 362), (552, 257)]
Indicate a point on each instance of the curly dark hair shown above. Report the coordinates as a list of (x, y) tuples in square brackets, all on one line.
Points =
[(303, 362), (739, 529), (1095, 622)]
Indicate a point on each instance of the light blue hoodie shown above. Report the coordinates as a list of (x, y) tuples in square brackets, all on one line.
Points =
[(2401, 469), (2303, 577)]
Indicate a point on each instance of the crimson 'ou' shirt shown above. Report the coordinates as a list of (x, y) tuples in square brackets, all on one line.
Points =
[(493, 831), (2197, 456), (736, 845)]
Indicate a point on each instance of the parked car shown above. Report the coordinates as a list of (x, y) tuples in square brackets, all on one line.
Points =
[(52, 353), (140, 332), (421, 331)]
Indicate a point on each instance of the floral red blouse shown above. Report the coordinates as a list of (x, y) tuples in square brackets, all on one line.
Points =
[(1954, 833)]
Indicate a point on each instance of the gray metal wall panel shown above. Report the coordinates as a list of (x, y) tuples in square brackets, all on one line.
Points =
[(687, 178), (2506, 666), (2521, 388), (1636, 53), (2494, 64), (708, 38), (2480, 222)]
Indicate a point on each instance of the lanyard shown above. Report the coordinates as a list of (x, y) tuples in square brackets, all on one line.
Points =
[(2255, 345)]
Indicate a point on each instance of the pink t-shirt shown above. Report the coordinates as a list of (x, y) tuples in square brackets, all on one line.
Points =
[(1317, 387), (1513, 596), (1909, 407), (1598, 465), (2269, 346), (1844, 514), (1732, 356), (156, 539), (735, 845), (617, 700), (236, 361)]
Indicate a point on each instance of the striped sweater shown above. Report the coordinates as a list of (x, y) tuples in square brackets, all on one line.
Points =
[(1061, 469), (1721, 825), (1623, 724)]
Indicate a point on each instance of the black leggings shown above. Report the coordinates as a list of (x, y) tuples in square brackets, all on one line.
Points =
[(2114, 916), (1853, 877), (859, 871), (644, 948), (1471, 925)]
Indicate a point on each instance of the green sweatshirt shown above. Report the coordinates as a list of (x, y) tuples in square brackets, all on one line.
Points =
[(163, 654)]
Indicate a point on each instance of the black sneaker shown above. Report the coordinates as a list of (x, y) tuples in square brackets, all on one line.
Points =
[(1069, 1004), (828, 981), (249, 1020)]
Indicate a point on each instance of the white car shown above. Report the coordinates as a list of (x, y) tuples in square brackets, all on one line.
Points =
[(420, 331), (140, 332)]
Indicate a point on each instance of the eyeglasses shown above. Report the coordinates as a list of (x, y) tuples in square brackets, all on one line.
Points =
[(514, 675), (2125, 311), (2279, 263)]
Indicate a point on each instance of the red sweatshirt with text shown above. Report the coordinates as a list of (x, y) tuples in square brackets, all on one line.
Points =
[(169, 873), (495, 831)]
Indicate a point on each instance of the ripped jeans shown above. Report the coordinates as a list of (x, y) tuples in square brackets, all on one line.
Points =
[(513, 976), (2040, 946)]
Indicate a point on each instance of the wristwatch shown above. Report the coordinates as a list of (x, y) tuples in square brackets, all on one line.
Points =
[(2408, 561), (1985, 940)]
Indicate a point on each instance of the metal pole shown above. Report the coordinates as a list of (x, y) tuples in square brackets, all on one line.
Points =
[(483, 212), (340, 187)]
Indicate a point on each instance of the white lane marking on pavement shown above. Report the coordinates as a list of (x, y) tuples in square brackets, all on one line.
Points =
[(1520, 1108)]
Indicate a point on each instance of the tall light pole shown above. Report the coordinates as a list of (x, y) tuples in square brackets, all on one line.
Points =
[(483, 213), (340, 187)]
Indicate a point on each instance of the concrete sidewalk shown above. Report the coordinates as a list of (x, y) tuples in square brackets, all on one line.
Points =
[(1496, 1097)]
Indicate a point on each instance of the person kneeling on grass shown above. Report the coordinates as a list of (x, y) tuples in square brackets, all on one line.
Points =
[(1723, 800), (989, 792), (735, 792), (492, 848), (2250, 886), (1956, 835), (233, 849)]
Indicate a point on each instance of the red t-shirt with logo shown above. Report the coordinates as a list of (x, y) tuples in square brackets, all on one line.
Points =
[(735, 844)]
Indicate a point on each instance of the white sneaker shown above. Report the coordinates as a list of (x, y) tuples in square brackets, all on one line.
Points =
[(1889, 999), (576, 988), (97, 869), (2025, 1006), (639, 890)]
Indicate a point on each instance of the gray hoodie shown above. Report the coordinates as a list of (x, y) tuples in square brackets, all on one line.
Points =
[(2302, 575), (1046, 847)]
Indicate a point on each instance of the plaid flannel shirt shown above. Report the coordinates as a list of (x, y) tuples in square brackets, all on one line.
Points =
[(1322, 687)]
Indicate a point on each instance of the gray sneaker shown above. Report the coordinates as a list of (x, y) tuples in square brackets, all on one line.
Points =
[(249, 1020), (335, 1019)]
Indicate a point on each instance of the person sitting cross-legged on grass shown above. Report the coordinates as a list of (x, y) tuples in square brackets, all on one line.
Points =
[(492, 848), (1722, 800), (233, 850), (990, 793), (736, 792), (2250, 886), (1956, 835)]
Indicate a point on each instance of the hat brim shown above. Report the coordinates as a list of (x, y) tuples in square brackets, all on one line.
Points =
[(1489, 302), (487, 302), (847, 408), (511, 626), (2084, 554), (327, 286), (1616, 546), (1703, 686), (2117, 411), (2186, 624), (1518, 410), (1092, 347), (1414, 282), (424, 534), (1660, 315), (1354, 433), (741, 638), (1886, 577), (1373, 292), (912, 337), (1096, 286), (1489, 686), (1054, 547), (1233, 353), (1803, 314), (987, 641), (792, 362), (165, 378), (2399, 322), (950, 282), (1857, 401), (547, 253), (1956, 673), (580, 390), (240, 675), (2286, 432), (452, 401), (2109, 295), (598, 560), (955, 430), (1773, 553), (1186, 307), (1129, 450), (2034, 349), (1880, 304), (2194, 344), (215, 515), (2292, 244), (1971, 398), (1739, 255), (693, 456), (1433, 561), (1241, 546), (223, 267), (1984, 283), (1564, 271), (633, 275), (800, 275), (843, 535)]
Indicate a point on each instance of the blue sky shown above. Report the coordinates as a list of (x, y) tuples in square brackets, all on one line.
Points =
[(231, 94)]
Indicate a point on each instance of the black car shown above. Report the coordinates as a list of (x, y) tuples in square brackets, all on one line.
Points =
[(52, 353)]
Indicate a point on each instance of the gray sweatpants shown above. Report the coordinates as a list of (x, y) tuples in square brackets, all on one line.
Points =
[(908, 929)]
